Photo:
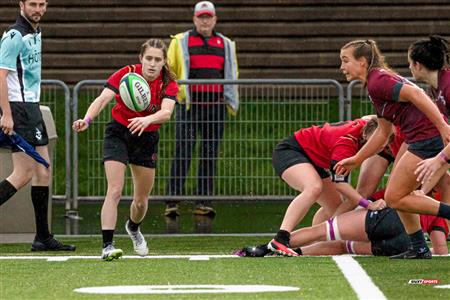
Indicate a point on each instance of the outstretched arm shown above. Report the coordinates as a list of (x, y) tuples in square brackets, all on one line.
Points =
[(94, 109)]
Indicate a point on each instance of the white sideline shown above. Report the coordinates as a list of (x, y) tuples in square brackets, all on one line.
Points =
[(358, 278)]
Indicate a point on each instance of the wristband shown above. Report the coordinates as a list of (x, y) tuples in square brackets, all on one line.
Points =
[(444, 157), (364, 202), (87, 120)]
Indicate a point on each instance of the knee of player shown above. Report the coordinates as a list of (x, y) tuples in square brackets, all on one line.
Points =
[(314, 189), (114, 192), (392, 199), (140, 202)]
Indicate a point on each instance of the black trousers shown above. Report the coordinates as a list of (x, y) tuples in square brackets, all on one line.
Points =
[(206, 121)]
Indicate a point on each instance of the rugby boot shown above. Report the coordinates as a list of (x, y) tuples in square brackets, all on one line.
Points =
[(423, 253), (50, 244)]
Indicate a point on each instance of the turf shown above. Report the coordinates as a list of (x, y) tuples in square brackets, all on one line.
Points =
[(317, 277)]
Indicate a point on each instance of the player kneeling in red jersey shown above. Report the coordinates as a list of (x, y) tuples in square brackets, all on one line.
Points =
[(303, 160)]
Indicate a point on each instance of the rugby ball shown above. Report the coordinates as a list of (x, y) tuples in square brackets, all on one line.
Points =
[(135, 92)]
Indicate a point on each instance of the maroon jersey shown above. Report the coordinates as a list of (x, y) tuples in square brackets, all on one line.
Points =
[(384, 91), (441, 95), (121, 113), (331, 142)]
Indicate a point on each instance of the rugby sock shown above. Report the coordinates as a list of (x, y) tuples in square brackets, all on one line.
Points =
[(133, 226), (283, 237), (444, 211), (349, 247), (39, 197), (107, 237), (418, 242), (299, 251), (7, 190)]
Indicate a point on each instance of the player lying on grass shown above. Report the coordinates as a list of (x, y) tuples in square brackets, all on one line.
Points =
[(303, 160), (361, 231)]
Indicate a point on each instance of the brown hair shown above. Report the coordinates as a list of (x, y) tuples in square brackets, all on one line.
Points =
[(167, 74), (368, 129), (370, 51)]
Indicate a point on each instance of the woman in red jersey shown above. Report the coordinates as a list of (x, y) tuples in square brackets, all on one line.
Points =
[(398, 101), (303, 160), (429, 62), (132, 137)]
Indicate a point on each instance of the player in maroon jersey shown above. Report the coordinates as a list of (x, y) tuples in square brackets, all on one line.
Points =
[(303, 160), (132, 137), (398, 101), (429, 62)]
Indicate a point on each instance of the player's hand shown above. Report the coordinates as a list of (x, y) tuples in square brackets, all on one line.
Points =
[(7, 124), (377, 205), (344, 166), (138, 124), (445, 134), (80, 125), (427, 168)]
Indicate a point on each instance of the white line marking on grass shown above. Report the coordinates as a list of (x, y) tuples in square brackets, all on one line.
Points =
[(443, 286), (65, 258), (185, 289), (358, 278)]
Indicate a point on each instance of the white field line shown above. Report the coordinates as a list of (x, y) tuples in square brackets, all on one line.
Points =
[(358, 278), (65, 258)]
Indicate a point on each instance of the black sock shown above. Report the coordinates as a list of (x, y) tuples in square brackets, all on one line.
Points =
[(418, 241), (107, 237), (7, 190), (299, 251), (444, 211), (283, 237), (133, 226), (39, 197)]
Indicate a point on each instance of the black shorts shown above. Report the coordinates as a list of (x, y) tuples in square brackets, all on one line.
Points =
[(288, 153), (427, 148), (122, 146), (392, 246), (28, 123), (383, 224)]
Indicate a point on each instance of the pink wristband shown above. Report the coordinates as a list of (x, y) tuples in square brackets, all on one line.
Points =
[(364, 202), (88, 120), (443, 156)]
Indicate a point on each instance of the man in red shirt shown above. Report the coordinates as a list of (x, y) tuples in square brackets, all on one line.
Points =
[(201, 53)]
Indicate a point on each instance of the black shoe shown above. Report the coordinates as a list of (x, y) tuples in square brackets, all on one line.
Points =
[(50, 244), (259, 251), (413, 254)]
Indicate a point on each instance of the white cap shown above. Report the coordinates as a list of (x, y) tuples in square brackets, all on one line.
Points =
[(204, 7)]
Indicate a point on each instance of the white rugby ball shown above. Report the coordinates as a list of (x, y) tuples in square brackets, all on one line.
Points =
[(135, 92)]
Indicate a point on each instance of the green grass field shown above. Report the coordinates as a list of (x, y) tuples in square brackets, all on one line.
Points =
[(316, 277)]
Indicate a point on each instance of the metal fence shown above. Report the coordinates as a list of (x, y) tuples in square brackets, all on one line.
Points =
[(270, 110), (56, 95)]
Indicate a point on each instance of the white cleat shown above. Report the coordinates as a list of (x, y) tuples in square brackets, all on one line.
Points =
[(110, 253), (139, 243)]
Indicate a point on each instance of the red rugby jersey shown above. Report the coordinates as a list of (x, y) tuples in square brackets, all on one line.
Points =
[(398, 140), (207, 61), (121, 113), (329, 142), (384, 90), (441, 95)]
